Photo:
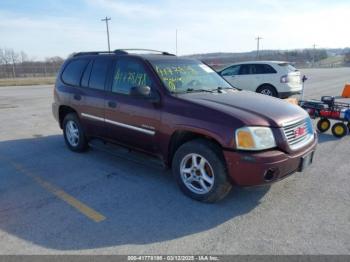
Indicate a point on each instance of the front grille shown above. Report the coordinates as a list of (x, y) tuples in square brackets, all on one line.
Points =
[(298, 133)]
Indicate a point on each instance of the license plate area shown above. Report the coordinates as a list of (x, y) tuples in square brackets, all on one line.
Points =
[(306, 161)]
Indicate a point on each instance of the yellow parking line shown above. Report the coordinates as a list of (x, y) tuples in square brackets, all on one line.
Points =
[(81, 207)]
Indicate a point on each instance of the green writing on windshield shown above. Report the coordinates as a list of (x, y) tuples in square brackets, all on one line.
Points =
[(175, 76)]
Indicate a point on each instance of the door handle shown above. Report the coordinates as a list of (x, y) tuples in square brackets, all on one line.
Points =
[(77, 97), (112, 104)]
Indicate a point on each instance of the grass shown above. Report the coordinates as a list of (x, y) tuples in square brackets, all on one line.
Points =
[(27, 81)]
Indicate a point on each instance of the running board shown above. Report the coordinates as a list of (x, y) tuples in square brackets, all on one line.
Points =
[(127, 154)]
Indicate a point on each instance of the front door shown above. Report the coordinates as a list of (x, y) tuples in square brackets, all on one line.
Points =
[(133, 121)]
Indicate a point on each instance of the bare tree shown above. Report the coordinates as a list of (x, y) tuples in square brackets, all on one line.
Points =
[(14, 58)]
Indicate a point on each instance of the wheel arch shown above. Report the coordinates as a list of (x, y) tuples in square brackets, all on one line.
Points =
[(180, 137), (62, 112), (266, 84)]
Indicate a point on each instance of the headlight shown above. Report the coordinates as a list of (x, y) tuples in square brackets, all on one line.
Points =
[(254, 138)]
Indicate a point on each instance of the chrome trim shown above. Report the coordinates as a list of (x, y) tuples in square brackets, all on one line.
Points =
[(146, 131), (92, 117), (296, 143), (142, 130)]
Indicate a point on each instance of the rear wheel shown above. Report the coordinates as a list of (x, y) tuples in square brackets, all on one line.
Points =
[(267, 90), (73, 132), (200, 171), (340, 130), (323, 125)]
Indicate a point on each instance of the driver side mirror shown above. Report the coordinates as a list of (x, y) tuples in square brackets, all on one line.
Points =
[(145, 92), (140, 91)]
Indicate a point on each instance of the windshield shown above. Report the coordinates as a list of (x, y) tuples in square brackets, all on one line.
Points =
[(188, 75)]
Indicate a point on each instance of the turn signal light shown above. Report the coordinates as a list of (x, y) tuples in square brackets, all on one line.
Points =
[(245, 139)]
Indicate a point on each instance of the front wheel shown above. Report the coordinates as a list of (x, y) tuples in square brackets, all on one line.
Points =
[(73, 133), (200, 171)]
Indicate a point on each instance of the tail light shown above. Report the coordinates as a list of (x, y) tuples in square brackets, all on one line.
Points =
[(284, 79)]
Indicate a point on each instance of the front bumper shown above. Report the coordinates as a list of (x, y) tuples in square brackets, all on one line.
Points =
[(55, 111), (250, 169)]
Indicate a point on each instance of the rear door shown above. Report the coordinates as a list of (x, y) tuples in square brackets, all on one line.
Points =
[(93, 95), (133, 121)]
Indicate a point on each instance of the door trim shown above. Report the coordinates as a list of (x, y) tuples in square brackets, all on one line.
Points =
[(135, 128)]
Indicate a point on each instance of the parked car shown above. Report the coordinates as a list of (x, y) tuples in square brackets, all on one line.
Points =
[(212, 135), (273, 78)]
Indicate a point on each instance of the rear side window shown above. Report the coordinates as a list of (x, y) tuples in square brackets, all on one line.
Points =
[(263, 69), (73, 72), (98, 74), (86, 76)]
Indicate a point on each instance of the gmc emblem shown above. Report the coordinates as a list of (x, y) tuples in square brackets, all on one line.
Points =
[(300, 131)]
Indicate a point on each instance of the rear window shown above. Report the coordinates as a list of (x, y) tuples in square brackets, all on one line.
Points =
[(288, 66), (73, 72)]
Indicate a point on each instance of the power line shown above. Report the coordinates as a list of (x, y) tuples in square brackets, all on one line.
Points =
[(106, 20), (258, 47), (176, 42)]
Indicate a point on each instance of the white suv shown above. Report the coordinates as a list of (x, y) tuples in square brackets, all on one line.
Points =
[(273, 78)]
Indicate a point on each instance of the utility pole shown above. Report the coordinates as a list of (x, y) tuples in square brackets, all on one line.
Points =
[(258, 47), (313, 55), (176, 42), (106, 20)]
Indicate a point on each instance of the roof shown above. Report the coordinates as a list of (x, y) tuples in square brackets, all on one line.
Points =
[(260, 62)]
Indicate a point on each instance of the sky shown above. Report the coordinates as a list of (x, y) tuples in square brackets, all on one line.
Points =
[(44, 28)]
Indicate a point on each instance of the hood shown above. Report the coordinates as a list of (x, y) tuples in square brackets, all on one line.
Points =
[(249, 107)]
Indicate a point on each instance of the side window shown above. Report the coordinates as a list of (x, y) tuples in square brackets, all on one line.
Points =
[(245, 70), (264, 69), (98, 74), (231, 71), (73, 72), (129, 73), (86, 76)]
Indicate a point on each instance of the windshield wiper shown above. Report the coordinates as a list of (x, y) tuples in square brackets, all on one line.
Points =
[(191, 90), (219, 88)]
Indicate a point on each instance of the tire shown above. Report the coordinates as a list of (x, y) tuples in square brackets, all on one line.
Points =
[(267, 90), (73, 133), (340, 130), (323, 125), (212, 168), (348, 126)]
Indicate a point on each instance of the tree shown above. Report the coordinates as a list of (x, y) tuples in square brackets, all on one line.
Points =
[(347, 58)]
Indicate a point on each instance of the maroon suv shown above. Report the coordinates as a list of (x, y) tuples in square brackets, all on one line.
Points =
[(181, 111)]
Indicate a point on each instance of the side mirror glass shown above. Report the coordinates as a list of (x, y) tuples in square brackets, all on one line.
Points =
[(140, 91)]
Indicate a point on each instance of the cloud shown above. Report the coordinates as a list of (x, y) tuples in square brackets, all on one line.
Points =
[(203, 26)]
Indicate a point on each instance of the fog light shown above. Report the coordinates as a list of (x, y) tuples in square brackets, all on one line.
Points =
[(269, 175)]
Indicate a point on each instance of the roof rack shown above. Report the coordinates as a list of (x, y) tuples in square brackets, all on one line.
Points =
[(127, 51), (91, 53), (120, 52)]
